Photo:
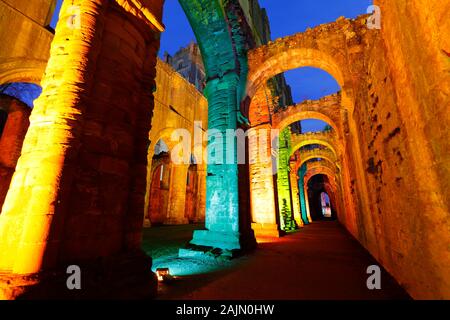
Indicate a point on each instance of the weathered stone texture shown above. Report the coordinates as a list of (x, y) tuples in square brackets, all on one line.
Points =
[(392, 125), (25, 40)]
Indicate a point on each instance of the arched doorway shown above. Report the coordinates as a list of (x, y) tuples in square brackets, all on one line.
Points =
[(159, 190), (321, 204)]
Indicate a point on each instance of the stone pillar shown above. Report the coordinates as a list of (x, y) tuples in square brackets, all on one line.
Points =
[(223, 229), (304, 205), (308, 210), (78, 192), (287, 223), (262, 191), (295, 197), (11, 140), (177, 195)]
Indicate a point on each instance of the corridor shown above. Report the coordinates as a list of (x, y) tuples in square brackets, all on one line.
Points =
[(321, 261)]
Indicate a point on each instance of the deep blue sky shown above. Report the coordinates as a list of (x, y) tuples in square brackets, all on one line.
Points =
[(286, 17), (56, 14)]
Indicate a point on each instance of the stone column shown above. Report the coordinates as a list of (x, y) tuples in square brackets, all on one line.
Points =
[(295, 197), (223, 229), (304, 206), (287, 223), (262, 191), (177, 195), (78, 192), (51, 142)]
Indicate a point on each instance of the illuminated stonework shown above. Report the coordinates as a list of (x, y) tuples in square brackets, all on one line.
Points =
[(82, 184), (178, 105)]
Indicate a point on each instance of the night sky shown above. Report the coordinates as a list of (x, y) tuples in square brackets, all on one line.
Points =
[(286, 17)]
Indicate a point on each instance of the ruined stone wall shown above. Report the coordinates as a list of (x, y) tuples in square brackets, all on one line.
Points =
[(178, 105), (402, 112), (395, 84)]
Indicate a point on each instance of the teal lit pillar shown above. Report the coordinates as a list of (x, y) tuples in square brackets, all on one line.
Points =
[(221, 42), (222, 220), (287, 221), (301, 190)]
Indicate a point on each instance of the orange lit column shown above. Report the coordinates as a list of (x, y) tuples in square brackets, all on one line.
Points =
[(35, 201), (262, 191), (295, 195), (78, 192), (177, 195)]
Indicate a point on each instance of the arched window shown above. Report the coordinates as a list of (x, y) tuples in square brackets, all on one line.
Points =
[(326, 205)]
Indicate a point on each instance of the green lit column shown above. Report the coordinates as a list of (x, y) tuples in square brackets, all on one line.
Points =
[(222, 185), (301, 189), (224, 57), (287, 222)]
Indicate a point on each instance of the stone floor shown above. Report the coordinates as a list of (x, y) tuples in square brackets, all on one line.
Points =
[(321, 261)]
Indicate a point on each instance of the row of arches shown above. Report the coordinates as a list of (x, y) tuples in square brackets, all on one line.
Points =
[(88, 193), (163, 176)]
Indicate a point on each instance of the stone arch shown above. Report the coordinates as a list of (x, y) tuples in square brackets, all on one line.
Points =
[(311, 163), (22, 70), (318, 47), (324, 139), (153, 163), (327, 109), (331, 187), (320, 170), (165, 135), (277, 61), (318, 153)]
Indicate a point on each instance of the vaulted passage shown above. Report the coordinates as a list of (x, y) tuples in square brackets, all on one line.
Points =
[(321, 262), (208, 167)]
